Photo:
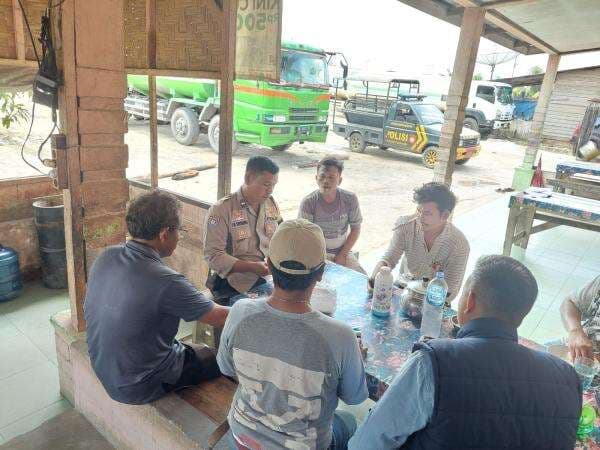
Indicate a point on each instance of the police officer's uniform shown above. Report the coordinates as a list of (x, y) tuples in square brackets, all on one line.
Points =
[(234, 231)]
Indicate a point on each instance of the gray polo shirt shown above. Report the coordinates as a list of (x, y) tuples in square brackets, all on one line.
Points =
[(133, 305)]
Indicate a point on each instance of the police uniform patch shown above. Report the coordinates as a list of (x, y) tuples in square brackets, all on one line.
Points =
[(238, 216), (242, 233), (213, 221), (239, 223)]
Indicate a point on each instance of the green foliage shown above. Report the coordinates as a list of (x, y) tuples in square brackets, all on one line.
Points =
[(536, 70), (478, 77), (11, 111)]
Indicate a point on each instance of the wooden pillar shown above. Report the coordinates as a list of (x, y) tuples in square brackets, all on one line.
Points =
[(19, 30), (151, 61), (90, 54), (458, 95), (227, 77), (523, 174)]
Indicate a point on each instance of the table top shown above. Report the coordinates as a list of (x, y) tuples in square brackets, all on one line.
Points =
[(563, 204), (389, 341), (571, 167)]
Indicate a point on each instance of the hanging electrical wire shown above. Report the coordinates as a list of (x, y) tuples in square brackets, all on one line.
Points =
[(25, 141)]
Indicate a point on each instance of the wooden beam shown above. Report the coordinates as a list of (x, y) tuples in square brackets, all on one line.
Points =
[(503, 3), (153, 132), (227, 77), (458, 94), (19, 30), (68, 105), (175, 73), (506, 24), (18, 62), (151, 33)]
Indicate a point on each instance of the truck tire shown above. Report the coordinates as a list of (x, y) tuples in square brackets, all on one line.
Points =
[(213, 135), (281, 148), (430, 156), (185, 126), (471, 124), (357, 143), (461, 162)]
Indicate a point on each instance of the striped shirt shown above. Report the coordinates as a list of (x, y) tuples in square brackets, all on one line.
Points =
[(449, 252)]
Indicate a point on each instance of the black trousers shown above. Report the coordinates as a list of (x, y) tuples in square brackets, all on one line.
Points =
[(200, 364)]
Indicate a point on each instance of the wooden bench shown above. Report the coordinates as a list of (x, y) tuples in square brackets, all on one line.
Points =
[(213, 398), (558, 209)]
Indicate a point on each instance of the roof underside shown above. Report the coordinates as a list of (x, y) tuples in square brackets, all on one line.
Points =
[(528, 26)]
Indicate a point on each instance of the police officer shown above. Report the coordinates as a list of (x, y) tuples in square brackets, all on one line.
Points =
[(238, 231)]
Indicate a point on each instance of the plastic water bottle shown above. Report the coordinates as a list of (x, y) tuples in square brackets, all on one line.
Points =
[(382, 292), (433, 307)]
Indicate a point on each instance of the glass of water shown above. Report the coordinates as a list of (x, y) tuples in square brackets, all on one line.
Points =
[(587, 369)]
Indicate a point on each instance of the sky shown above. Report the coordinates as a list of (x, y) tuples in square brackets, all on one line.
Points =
[(386, 35)]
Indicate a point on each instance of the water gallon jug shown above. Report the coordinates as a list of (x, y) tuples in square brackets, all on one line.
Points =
[(10, 275)]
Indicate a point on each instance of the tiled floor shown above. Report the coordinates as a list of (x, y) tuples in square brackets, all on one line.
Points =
[(562, 259), (29, 391)]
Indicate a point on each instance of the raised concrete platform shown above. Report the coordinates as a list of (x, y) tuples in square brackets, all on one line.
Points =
[(194, 418)]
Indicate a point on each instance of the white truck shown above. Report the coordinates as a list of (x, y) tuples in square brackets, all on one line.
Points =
[(490, 106)]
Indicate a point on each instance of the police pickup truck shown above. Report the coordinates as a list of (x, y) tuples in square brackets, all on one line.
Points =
[(400, 122)]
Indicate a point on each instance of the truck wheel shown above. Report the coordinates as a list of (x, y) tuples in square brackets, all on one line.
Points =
[(281, 148), (471, 124), (430, 156), (213, 135), (184, 126), (357, 143), (461, 162)]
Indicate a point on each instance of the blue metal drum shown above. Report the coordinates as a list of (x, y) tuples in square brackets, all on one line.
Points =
[(10, 275)]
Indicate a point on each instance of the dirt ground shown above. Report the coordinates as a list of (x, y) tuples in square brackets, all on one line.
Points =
[(383, 180)]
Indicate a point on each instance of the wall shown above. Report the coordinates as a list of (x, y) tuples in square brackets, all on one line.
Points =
[(17, 229), (569, 100), (188, 257)]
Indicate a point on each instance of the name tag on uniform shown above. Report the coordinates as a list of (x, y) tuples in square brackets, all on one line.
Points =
[(239, 223), (242, 233)]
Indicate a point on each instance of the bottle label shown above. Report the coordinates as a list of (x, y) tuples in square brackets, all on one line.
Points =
[(436, 296)]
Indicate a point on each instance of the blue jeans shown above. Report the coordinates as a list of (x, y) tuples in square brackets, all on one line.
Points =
[(344, 426)]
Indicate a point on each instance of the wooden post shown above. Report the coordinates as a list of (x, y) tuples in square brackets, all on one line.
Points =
[(458, 94), (151, 62), (19, 30), (75, 245), (227, 77), (523, 174), (153, 132)]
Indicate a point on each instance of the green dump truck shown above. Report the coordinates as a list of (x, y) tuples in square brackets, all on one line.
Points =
[(275, 115)]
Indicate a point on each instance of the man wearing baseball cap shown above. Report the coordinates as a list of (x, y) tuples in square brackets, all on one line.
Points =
[(293, 363)]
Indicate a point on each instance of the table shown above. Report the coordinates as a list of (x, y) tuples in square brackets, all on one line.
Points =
[(389, 341), (558, 209), (578, 178)]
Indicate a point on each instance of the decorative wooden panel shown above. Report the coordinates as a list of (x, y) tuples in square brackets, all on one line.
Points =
[(188, 35), (7, 30), (35, 10), (135, 33)]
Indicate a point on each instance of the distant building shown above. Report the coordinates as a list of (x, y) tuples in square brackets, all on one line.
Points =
[(573, 89)]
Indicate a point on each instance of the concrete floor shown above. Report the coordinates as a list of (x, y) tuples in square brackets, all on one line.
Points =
[(562, 259)]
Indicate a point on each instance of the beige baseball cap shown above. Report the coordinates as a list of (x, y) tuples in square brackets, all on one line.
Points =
[(297, 240)]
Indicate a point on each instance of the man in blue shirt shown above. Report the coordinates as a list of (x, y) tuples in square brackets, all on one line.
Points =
[(293, 363), (482, 390), (133, 306)]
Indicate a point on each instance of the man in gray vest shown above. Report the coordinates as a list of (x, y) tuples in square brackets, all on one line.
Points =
[(482, 390)]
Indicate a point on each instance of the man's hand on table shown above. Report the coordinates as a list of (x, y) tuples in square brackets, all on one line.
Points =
[(261, 268), (341, 258), (579, 344)]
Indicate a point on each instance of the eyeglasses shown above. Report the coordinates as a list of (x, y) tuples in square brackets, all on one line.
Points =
[(179, 228)]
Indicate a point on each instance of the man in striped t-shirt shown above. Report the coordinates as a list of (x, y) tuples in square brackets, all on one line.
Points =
[(427, 241)]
